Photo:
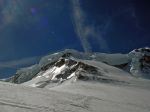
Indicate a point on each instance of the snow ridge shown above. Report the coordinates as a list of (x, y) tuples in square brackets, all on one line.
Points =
[(71, 64)]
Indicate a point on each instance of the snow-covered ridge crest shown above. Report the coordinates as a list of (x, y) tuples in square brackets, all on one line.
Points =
[(73, 65)]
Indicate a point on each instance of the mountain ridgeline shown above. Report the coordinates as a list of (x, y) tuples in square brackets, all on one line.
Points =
[(71, 66)]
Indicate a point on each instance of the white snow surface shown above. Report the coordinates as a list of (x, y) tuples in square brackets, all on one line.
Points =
[(74, 97), (80, 83), (132, 95)]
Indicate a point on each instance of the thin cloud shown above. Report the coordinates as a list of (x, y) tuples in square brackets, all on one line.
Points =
[(20, 62), (9, 12), (84, 30)]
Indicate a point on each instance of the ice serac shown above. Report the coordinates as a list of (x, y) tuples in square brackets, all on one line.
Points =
[(140, 62)]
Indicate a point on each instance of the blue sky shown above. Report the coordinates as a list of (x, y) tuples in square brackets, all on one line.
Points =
[(30, 29)]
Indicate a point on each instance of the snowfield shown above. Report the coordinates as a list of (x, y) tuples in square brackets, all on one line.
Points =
[(77, 97), (71, 81)]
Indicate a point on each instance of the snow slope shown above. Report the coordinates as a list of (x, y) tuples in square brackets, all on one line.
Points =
[(79, 97), (77, 82)]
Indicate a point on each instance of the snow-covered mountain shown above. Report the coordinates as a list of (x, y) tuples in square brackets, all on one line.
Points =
[(73, 65), (81, 82)]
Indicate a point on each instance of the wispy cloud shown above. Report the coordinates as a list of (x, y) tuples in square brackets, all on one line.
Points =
[(19, 62), (84, 30), (9, 11)]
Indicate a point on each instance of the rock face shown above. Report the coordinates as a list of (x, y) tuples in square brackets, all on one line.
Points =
[(65, 69), (64, 65)]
